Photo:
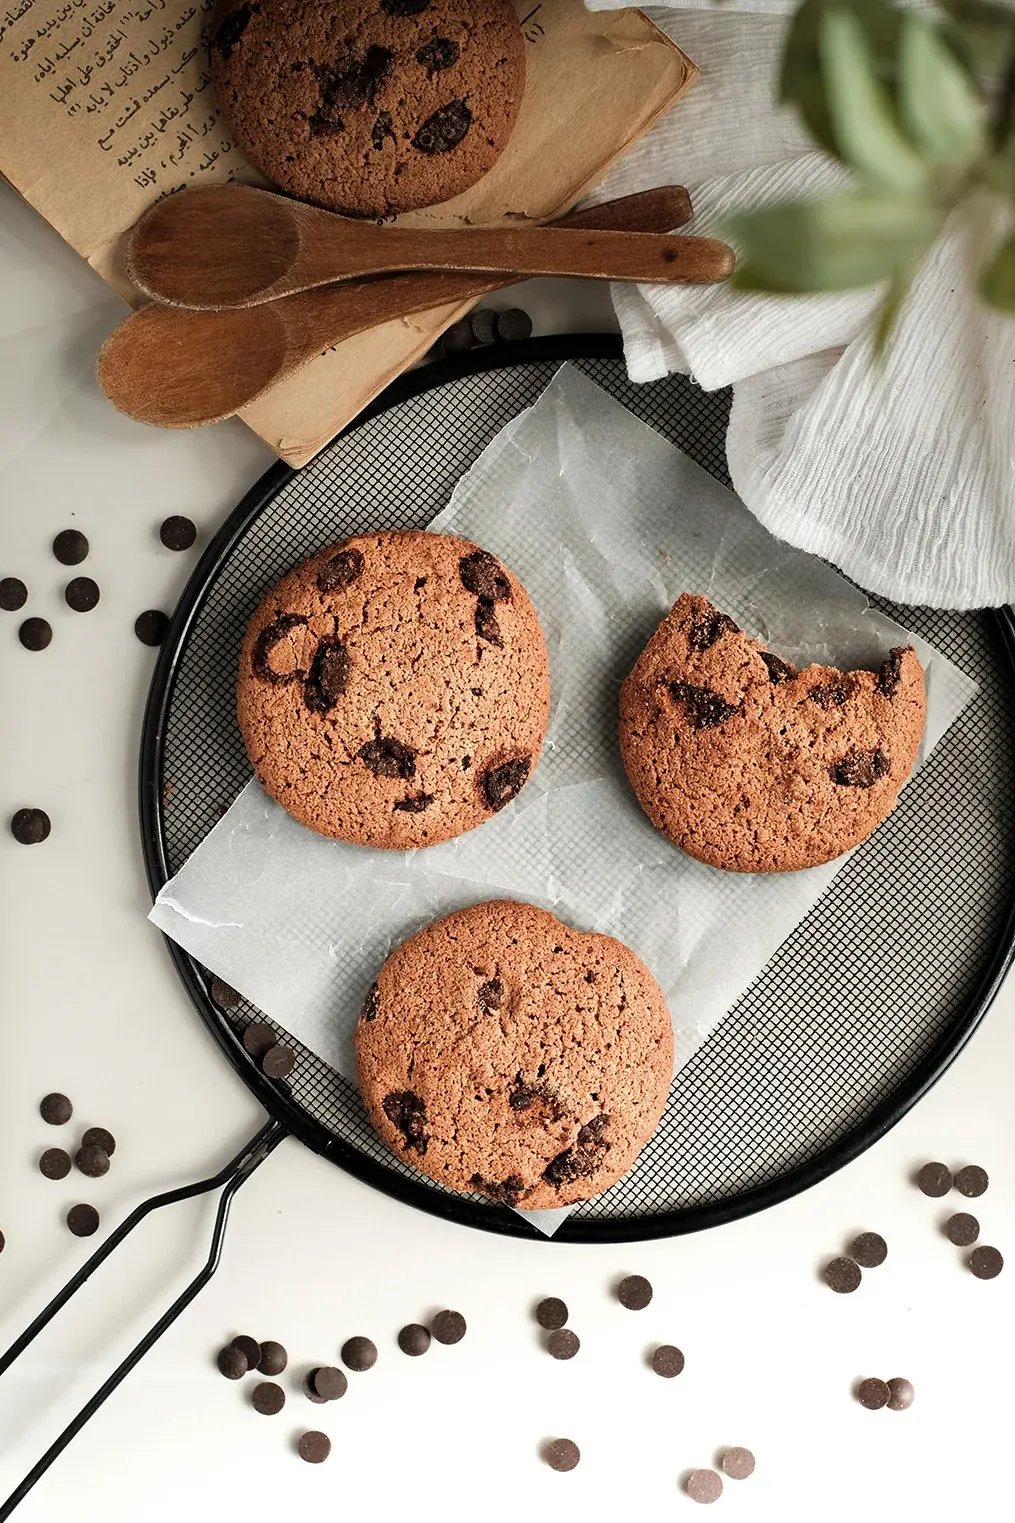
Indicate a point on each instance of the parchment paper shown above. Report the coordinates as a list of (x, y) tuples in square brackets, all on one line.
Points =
[(606, 524), (107, 105)]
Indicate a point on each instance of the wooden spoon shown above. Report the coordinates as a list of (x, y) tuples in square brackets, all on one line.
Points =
[(234, 246), (180, 369)]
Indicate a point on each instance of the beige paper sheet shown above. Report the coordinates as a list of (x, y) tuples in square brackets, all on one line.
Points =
[(107, 105)]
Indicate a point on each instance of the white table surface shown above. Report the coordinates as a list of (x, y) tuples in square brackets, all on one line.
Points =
[(90, 1004)]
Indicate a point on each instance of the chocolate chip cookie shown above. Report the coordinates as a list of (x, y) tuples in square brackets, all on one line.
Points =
[(502, 1052), (394, 690), (747, 763), (370, 106)]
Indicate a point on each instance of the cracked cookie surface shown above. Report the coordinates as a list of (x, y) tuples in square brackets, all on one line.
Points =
[(502, 1052), (373, 705)]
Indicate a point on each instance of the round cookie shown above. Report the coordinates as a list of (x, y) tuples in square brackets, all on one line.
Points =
[(501, 1051), (370, 106), (394, 690), (750, 765)]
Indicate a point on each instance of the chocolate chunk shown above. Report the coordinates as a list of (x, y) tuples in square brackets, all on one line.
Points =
[(274, 1358), (249, 1348), (81, 594), (232, 28), (407, 1113), (484, 577), (13, 594), (901, 1393), (177, 532), (329, 1382), (962, 1229), (70, 547), (340, 571), (54, 1164), (503, 1192), (98, 1137), (705, 708), (278, 1061), (986, 1263), (414, 1339), (490, 996), (704, 1486), (35, 634), (382, 129), (93, 1161), (873, 1394), (350, 85), (861, 769), (314, 1447), (890, 671), (667, 1360), (232, 1362), (487, 627), (448, 1327), (328, 676), (359, 1353), (224, 995), (387, 757), (971, 1181), (370, 1004), (634, 1292), (551, 1313), (151, 626), (56, 1109), (414, 803), (445, 129), (561, 1454), (437, 54), (30, 826), (259, 1038), (869, 1250), (513, 325), (582, 1160), (83, 1220), (738, 1463), (265, 643), (404, 7), (267, 1398), (501, 784), (778, 669), (831, 695), (483, 323), (841, 1275), (935, 1179), (562, 1343), (706, 630)]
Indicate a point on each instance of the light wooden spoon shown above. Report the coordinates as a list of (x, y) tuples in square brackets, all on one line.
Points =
[(180, 369), (234, 246)]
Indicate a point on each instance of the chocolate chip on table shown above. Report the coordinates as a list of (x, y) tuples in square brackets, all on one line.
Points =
[(81, 594), (841, 1275), (513, 325), (150, 626), (56, 1109), (359, 1353), (986, 1263), (83, 1220), (231, 1362), (738, 1463), (873, 1394), (308, 1389), (562, 1343), (225, 996), (328, 1382), (93, 1161), (55, 1163), (902, 1393), (634, 1292), (313, 1447), (962, 1229), (13, 594), (249, 1348), (259, 1038), (869, 1250), (267, 1398), (971, 1181), (448, 1327), (29, 827), (414, 1339), (177, 532), (561, 1454), (70, 547), (98, 1137), (35, 634), (551, 1312), (3, 1242), (483, 324), (278, 1061), (457, 338), (667, 1360), (704, 1486), (934, 1179), (273, 1358)]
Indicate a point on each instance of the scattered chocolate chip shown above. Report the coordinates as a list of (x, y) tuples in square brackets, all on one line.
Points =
[(986, 1263), (313, 1447), (30, 826), (56, 1109), (551, 1313), (329, 1382), (371, 1004), (309, 1392), (448, 1327), (709, 628), (414, 1339), (434, 56), (273, 1358), (259, 1038), (738, 1463), (83, 1220), (483, 323), (935, 1179), (841, 1275), (54, 1163), (414, 803), (150, 626), (705, 708), (831, 695), (3, 1242), (177, 532), (81, 594), (267, 1398), (962, 1229), (278, 1061), (513, 325), (873, 1394), (70, 547), (98, 1137), (667, 1360), (341, 570), (634, 1292), (704, 1486), (487, 627), (13, 594), (902, 1393), (407, 1113), (249, 1348), (501, 784), (562, 1343), (778, 669), (869, 1250), (232, 28), (860, 769), (890, 671), (444, 129), (93, 1161), (387, 757), (232, 1362), (359, 1353), (35, 634), (971, 1181), (490, 996), (484, 577), (224, 995), (503, 1192), (273, 634), (457, 338), (561, 1454)]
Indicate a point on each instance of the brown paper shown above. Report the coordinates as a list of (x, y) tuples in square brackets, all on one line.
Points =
[(107, 105)]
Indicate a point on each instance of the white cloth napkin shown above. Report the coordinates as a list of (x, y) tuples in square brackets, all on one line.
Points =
[(901, 475)]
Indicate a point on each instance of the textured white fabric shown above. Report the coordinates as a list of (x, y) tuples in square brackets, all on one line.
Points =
[(900, 474)]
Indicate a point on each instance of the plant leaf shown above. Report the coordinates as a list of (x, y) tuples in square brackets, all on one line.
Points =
[(939, 103), (800, 79), (997, 278), (861, 110), (851, 239), (888, 312)]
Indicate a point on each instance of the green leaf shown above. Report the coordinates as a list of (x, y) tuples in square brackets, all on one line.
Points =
[(861, 110), (939, 103), (888, 312), (851, 239), (800, 79), (997, 278)]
